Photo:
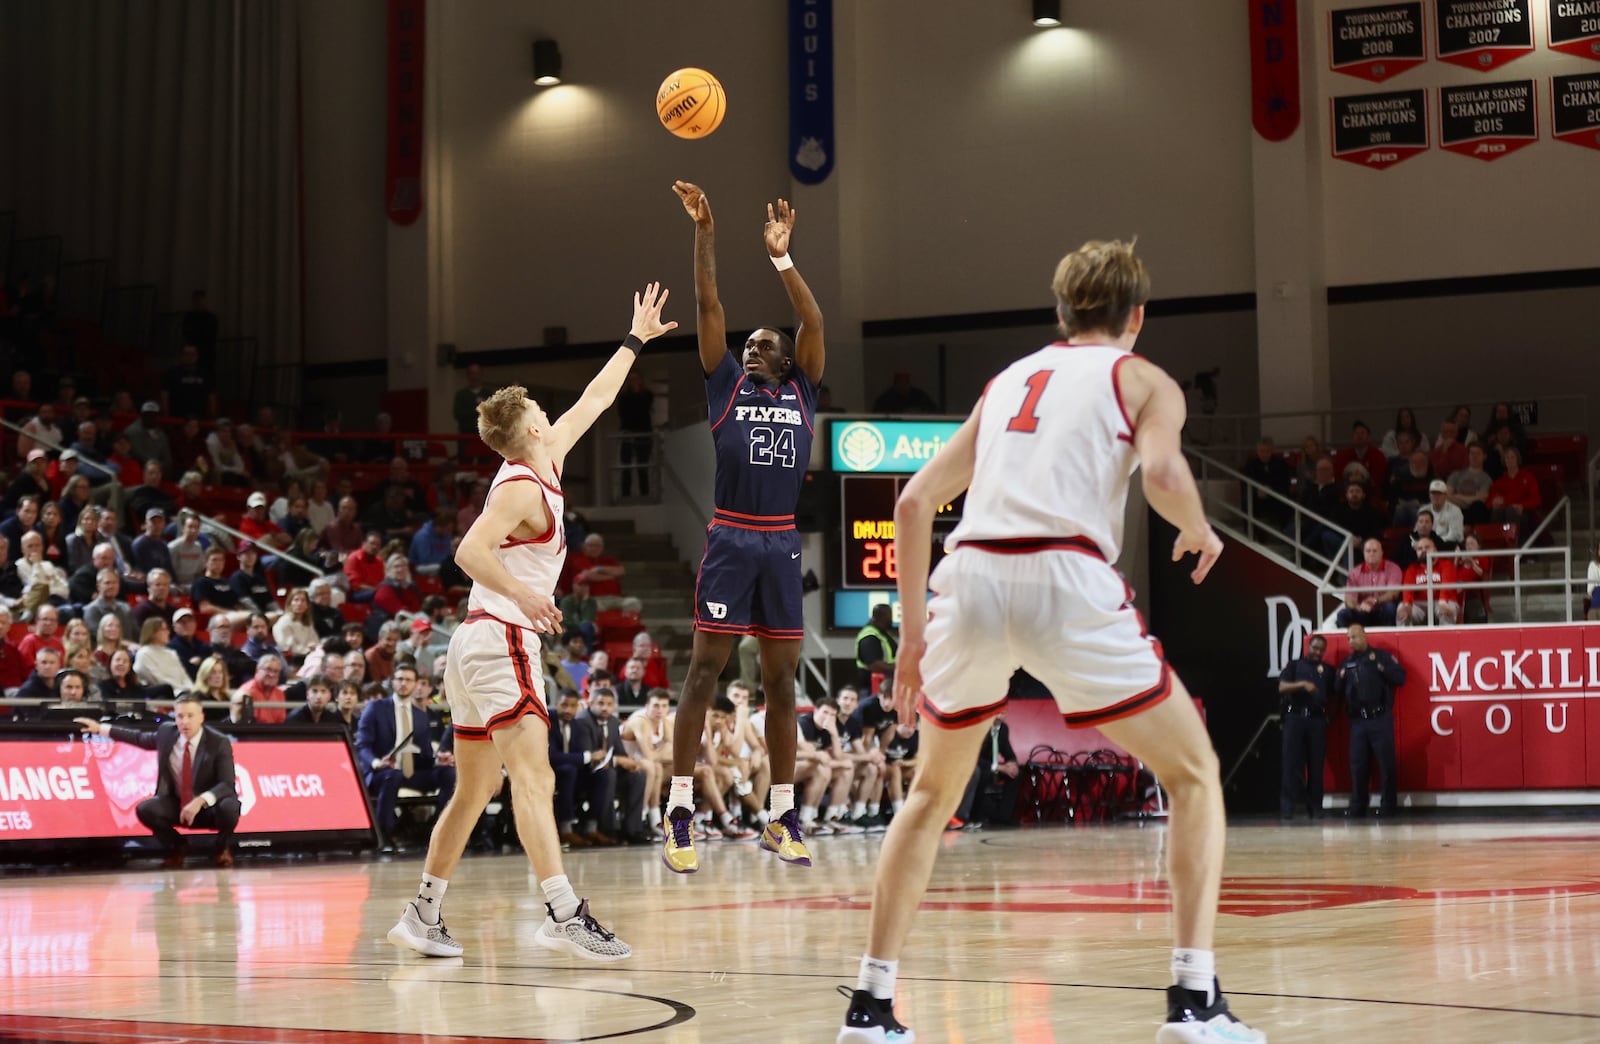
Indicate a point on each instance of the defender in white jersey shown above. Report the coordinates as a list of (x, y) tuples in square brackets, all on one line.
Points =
[(1046, 458), (513, 553)]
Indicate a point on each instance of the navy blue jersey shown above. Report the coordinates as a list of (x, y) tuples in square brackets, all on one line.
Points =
[(762, 437)]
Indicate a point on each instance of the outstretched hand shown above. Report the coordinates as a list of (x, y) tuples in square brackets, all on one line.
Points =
[(780, 225), (647, 323), (694, 201)]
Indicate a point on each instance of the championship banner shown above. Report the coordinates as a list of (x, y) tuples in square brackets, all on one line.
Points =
[(1380, 130), (54, 789), (1489, 120), (811, 144), (1274, 68), (1376, 43), (1483, 34), (402, 187), (1575, 27), (1487, 708), (1575, 109)]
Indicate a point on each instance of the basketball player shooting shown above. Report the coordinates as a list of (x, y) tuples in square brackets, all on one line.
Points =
[(760, 406), (514, 553), (1046, 458)]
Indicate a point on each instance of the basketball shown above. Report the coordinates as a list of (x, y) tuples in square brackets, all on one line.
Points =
[(691, 103)]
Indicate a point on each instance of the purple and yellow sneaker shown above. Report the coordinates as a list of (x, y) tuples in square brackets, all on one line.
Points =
[(783, 836)]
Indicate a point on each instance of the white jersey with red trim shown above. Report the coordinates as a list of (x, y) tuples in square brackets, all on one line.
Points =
[(536, 564), (1054, 452)]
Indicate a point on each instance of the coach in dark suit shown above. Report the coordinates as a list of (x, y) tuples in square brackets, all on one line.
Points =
[(570, 760), (605, 779), (194, 779), (377, 735)]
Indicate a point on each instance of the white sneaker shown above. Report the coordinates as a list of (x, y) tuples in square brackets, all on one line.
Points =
[(1190, 1020), (582, 936), (430, 940)]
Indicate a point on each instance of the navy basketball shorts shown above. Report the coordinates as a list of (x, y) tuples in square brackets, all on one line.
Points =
[(749, 583)]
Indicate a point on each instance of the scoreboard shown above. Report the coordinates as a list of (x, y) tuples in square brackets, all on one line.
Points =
[(866, 529)]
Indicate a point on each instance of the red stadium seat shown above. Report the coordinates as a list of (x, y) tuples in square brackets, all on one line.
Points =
[(355, 612), (615, 625), (1496, 536), (1569, 450), (619, 653)]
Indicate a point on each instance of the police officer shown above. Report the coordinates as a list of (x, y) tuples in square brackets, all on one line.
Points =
[(1303, 687), (875, 648), (1367, 680)]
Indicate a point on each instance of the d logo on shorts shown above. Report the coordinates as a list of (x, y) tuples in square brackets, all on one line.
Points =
[(718, 610)]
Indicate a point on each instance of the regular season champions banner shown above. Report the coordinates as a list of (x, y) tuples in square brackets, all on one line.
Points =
[(1488, 120), (811, 144), (1376, 43), (1380, 130), (1484, 34), (1575, 109), (1575, 27)]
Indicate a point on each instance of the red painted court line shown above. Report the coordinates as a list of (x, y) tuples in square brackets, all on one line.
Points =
[(96, 1031)]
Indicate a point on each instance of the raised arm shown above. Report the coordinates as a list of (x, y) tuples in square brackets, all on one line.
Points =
[(809, 351), (511, 505), (602, 391), (711, 324), (1156, 404)]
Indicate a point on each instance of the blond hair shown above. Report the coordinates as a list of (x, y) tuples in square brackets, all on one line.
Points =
[(1098, 286), (500, 419)]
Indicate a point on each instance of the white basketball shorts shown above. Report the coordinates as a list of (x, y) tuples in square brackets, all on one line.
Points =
[(492, 676)]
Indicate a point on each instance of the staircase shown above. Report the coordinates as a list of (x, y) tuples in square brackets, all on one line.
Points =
[(660, 578)]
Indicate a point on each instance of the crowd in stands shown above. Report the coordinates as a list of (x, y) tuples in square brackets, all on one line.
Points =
[(1403, 498)]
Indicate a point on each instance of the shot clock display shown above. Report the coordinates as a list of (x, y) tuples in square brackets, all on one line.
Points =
[(866, 509)]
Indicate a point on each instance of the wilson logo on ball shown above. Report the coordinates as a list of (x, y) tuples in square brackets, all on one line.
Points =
[(691, 103)]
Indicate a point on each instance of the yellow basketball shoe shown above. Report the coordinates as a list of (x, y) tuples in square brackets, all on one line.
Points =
[(678, 852), (784, 837)]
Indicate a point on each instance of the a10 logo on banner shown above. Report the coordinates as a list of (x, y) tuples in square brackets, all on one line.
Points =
[(1488, 120)]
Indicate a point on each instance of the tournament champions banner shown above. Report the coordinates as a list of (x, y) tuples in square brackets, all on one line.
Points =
[(1274, 68), (1489, 120), (1380, 130), (1376, 43), (1575, 27), (811, 144), (1575, 109), (402, 185), (1484, 34)]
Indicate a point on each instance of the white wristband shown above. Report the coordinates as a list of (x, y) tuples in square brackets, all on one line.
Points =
[(783, 264)]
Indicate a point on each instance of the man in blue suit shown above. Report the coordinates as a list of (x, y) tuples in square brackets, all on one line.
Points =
[(383, 725)]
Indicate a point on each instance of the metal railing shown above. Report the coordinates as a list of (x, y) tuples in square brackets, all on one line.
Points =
[(1517, 584), (632, 459), (1594, 480)]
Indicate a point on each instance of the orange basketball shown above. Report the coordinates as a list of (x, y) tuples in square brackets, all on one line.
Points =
[(691, 103)]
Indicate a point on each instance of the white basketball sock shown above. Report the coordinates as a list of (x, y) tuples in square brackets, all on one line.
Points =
[(681, 794), (877, 977), (781, 798), (1195, 970), (559, 894), (430, 898)]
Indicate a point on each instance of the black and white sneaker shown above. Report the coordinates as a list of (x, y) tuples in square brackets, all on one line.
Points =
[(581, 935), (430, 940), (871, 1021), (1190, 1020)]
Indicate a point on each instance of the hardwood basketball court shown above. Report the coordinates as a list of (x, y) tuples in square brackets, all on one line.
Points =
[(1428, 931)]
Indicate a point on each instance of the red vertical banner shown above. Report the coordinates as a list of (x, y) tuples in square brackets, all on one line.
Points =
[(1274, 68), (402, 190)]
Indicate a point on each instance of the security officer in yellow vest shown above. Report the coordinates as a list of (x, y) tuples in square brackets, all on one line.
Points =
[(875, 648)]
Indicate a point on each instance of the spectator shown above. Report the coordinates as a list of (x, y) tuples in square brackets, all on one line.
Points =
[(43, 426), (630, 691), (592, 565), (108, 638), (212, 682), (121, 546), (344, 534), (1404, 421), (258, 527), (108, 601), (416, 498), (474, 505), (296, 632), (434, 544), (122, 684), (42, 580), (1469, 488), (186, 642), (1356, 515), (875, 648), (189, 449), (1449, 453), (1448, 525), (1514, 494), (355, 666), (258, 640), (1362, 451), (1372, 596), (1271, 470), (147, 439), (121, 459), (326, 618), (298, 462), (10, 580), (150, 494), (902, 397), (420, 643), (655, 665), (150, 551), (1446, 600), (74, 501), (318, 708), (634, 404), (213, 595), (95, 469), (615, 778), (1501, 439), (200, 330), (258, 457), (319, 512), (394, 748), (380, 659), (263, 689), (1500, 416), (251, 584), (40, 683), (80, 657), (226, 460), (155, 664), (579, 610), (1408, 488), (54, 533), (240, 667), (31, 482), (437, 609), (465, 405), (21, 520), (397, 594), (390, 514), (575, 657), (188, 551), (12, 668), (158, 603), (1401, 458)]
